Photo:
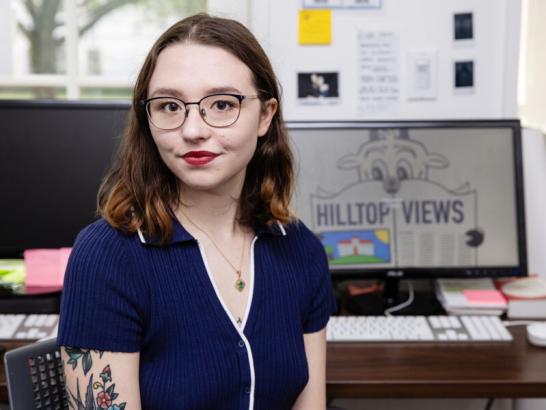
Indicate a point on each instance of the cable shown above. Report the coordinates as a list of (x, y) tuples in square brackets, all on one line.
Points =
[(402, 305), (489, 404)]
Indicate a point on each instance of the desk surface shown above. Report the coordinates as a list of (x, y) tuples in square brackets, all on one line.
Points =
[(397, 370), (404, 370)]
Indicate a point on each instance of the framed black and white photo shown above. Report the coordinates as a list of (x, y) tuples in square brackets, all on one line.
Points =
[(463, 26), (318, 87), (464, 75)]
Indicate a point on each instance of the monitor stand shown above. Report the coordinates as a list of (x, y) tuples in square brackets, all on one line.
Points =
[(375, 303)]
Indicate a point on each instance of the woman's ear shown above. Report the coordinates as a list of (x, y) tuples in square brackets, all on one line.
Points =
[(268, 111)]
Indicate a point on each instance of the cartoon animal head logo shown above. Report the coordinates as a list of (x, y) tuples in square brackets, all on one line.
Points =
[(391, 156)]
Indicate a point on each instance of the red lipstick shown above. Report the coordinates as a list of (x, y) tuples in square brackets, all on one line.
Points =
[(199, 157)]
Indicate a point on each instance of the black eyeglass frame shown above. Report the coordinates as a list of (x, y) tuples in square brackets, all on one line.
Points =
[(240, 97)]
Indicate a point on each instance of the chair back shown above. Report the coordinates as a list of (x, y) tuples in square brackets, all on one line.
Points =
[(35, 377)]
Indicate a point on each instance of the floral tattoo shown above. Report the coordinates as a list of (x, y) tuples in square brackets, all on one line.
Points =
[(105, 394)]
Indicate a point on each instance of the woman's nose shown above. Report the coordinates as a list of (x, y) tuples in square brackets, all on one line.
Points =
[(194, 127)]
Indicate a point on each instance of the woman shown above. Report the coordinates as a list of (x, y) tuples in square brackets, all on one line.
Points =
[(198, 289)]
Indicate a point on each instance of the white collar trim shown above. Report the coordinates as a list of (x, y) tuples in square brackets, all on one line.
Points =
[(141, 236), (281, 228)]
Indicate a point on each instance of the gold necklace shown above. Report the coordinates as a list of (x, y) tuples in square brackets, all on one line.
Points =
[(239, 282)]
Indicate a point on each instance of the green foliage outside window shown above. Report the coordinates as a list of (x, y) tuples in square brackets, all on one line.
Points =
[(45, 32)]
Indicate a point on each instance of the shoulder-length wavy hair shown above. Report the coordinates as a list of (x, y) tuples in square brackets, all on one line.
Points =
[(139, 191)]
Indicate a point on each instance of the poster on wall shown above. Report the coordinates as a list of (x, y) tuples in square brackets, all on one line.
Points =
[(464, 77), (378, 72), (463, 26), (421, 75), (318, 88)]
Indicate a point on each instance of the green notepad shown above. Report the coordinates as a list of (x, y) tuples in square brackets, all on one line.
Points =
[(12, 272)]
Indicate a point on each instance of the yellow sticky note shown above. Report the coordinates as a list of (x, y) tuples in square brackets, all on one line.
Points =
[(315, 27)]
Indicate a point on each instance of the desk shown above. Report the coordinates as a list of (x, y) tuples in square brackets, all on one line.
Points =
[(396, 370)]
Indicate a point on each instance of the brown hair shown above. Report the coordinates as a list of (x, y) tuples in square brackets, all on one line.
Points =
[(139, 191)]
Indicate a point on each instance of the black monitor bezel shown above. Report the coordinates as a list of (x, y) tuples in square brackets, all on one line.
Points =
[(56, 105), (442, 272), (65, 104)]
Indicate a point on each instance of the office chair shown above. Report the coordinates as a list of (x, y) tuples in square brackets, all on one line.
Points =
[(35, 377)]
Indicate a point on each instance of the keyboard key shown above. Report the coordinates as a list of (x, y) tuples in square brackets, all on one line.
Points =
[(444, 321), (435, 322), (40, 320), (454, 322), (51, 320), (31, 319)]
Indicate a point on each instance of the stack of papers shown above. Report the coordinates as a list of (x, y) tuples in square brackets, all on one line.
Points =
[(526, 296), (470, 296)]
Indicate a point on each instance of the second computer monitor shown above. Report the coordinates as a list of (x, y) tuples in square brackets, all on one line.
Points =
[(413, 198)]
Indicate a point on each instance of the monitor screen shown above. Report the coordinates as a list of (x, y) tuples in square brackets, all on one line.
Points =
[(417, 199), (53, 156)]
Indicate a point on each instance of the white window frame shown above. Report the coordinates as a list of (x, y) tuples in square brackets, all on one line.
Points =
[(73, 82)]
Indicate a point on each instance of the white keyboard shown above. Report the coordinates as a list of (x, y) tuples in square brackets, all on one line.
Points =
[(28, 327), (466, 329)]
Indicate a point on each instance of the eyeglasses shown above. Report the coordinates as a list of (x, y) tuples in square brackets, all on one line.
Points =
[(217, 110)]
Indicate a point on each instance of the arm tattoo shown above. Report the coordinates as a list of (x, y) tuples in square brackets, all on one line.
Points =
[(105, 394), (85, 354)]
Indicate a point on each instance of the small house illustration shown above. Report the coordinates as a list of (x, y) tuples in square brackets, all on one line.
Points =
[(355, 246)]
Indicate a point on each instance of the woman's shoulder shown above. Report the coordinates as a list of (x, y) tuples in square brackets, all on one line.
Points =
[(296, 228), (100, 236), (101, 231), (298, 234), (100, 249)]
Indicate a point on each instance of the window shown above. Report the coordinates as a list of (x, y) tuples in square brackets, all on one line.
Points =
[(532, 82), (80, 48)]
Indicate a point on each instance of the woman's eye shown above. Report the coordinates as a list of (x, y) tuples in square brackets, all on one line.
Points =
[(222, 105), (401, 173), (170, 107)]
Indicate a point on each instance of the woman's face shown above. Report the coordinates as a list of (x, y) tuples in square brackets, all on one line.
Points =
[(201, 156)]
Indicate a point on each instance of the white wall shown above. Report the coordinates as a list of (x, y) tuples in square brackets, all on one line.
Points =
[(534, 162), (421, 25)]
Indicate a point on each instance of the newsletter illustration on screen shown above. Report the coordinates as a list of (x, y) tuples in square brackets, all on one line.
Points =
[(407, 197)]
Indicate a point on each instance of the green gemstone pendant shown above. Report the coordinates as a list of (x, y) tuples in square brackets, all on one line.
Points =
[(240, 284)]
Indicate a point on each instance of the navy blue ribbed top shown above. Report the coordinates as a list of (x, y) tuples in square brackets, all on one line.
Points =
[(125, 293)]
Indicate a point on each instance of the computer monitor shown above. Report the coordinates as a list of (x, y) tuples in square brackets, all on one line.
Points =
[(417, 199), (53, 156)]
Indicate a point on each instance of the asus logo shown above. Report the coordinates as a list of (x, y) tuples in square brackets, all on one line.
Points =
[(395, 273)]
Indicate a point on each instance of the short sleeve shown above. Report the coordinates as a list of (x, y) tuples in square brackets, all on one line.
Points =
[(322, 299), (101, 295)]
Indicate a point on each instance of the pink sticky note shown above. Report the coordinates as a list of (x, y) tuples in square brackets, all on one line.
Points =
[(486, 297), (45, 267)]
